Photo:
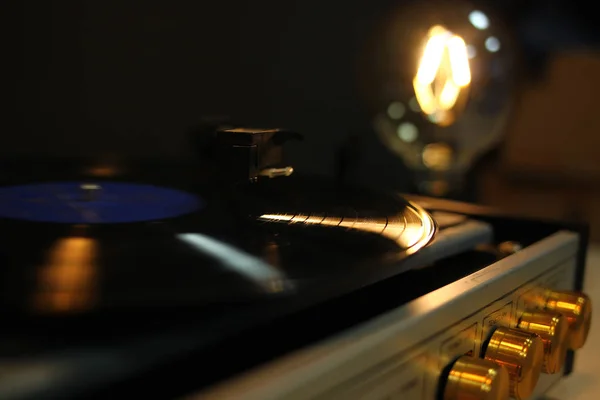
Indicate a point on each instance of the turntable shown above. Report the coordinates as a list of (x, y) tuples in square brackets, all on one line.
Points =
[(235, 278)]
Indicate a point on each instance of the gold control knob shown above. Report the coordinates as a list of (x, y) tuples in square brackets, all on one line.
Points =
[(522, 354), (577, 308), (553, 329), (476, 379)]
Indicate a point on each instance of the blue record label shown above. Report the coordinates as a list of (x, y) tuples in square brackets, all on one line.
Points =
[(94, 202)]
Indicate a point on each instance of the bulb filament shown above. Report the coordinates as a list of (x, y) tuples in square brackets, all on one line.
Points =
[(443, 74)]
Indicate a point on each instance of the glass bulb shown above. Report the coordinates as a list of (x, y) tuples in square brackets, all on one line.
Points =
[(439, 80)]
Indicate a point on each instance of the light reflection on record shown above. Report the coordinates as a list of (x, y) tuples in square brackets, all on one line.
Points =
[(68, 280), (411, 229), (252, 268)]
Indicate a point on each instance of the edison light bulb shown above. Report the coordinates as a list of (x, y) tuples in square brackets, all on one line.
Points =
[(439, 79)]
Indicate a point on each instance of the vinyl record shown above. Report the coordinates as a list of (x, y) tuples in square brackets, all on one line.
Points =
[(83, 246), (374, 221)]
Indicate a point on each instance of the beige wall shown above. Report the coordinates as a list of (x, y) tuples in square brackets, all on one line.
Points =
[(549, 165)]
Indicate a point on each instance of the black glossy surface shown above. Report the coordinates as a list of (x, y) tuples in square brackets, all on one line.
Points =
[(229, 251)]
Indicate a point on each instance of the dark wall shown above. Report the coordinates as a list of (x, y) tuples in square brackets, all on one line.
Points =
[(48, 79), (132, 76), (99, 76)]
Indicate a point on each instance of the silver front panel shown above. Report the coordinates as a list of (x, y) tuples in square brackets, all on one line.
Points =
[(400, 354)]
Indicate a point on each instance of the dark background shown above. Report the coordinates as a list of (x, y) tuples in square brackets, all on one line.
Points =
[(130, 77), (103, 76)]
